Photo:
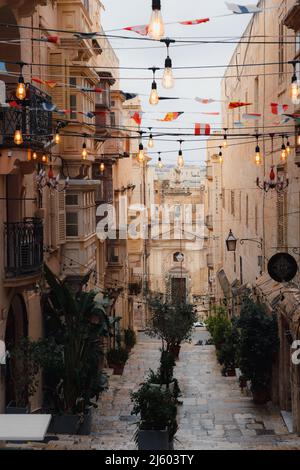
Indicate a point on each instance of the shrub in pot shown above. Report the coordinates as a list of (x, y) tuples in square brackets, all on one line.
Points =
[(77, 324), (23, 368), (258, 345), (116, 359), (129, 339), (218, 325), (172, 323), (227, 353), (157, 410), (164, 375)]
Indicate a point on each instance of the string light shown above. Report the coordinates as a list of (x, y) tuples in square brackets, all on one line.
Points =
[(102, 167), (154, 98), (168, 77), (150, 141), (84, 153), (141, 156), (44, 158), (294, 88), (34, 156), (298, 138), (257, 153), (220, 156), (18, 138), (225, 143), (57, 138), (180, 160), (156, 29), (288, 146), (21, 88), (159, 162), (283, 154)]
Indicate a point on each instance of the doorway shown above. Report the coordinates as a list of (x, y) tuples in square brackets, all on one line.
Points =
[(178, 290)]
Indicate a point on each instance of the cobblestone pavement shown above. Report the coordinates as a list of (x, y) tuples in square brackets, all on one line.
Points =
[(214, 414)]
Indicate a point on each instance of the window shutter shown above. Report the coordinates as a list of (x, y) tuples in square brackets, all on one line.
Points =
[(61, 223), (56, 74)]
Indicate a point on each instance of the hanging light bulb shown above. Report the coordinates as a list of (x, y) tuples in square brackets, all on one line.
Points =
[(34, 156), (225, 143), (258, 159), (220, 156), (168, 78), (18, 138), (294, 88), (156, 29), (150, 141), (44, 158), (84, 153), (21, 88), (288, 147), (154, 98), (159, 162), (141, 156), (180, 161), (298, 139), (57, 138), (283, 154), (102, 167)]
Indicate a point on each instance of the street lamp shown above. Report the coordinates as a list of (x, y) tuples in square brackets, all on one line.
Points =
[(231, 242)]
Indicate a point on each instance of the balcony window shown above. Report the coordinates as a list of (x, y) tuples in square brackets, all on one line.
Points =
[(113, 254), (72, 224), (73, 106), (72, 199)]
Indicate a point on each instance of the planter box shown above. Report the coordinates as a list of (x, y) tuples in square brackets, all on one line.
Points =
[(70, 424), (12, 409), (154, 440)]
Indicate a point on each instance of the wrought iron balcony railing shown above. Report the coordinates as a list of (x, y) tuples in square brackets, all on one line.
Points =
[(24, 247), (34, 121)]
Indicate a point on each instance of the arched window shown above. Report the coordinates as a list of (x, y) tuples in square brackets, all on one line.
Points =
[(178, 257)]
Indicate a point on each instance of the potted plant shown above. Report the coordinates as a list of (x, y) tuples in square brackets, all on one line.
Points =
[(157, 410), (77, 324), (227, 353), (129, 339), (258, 345), (24, 366), (116, 359), (173, 324)]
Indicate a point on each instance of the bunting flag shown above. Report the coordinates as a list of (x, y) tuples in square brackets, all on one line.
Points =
[(237, 104), (89, 114), (204, 100), (51, 39), (243, 9), (137, 117), (292, 116), (130, 96), (3, 67), (86, 35), (193, 22), (89, 89), (171, 117), (48, 83), (14, 104), (51, 107), (202, 129), (211, 114), (63, 111), (238, 124), (248, 116), (140, 29), (277, 108)]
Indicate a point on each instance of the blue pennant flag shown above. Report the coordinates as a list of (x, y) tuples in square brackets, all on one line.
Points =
[(49, 106), (242, 9), (3, 67)]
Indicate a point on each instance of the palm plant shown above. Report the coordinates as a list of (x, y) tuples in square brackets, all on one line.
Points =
[(77, 323)]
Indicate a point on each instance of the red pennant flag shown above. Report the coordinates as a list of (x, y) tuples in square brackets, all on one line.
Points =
[(140, 29), (171, 117), (202, 129), (211, 114), (193, 22), (48, 83), (136, 117), (237, 104), (14, 104), (53, 39), (277, 108)]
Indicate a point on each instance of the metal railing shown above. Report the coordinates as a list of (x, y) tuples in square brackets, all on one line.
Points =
[(34, 121), (23, 247)]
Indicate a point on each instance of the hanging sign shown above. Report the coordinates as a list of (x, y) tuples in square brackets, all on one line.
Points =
[(282, 267)]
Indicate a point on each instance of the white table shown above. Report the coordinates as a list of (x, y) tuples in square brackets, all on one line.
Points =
[(25, 427)]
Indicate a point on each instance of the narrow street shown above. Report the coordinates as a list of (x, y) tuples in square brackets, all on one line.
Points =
[(214, 414)]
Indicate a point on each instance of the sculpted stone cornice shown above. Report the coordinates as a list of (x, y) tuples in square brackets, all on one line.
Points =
[(24, 8)]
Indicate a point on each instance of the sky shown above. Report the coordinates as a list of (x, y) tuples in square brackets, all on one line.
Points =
[(122, 13)]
